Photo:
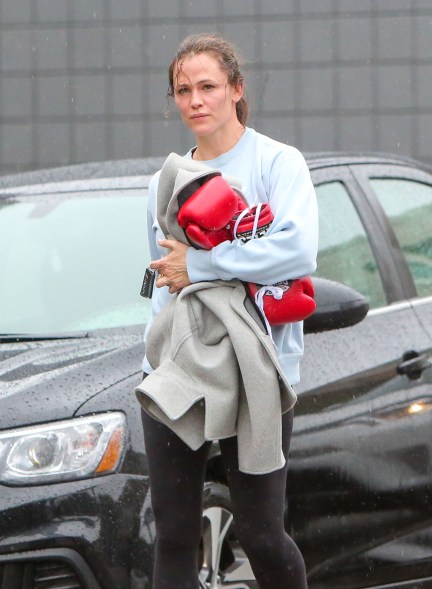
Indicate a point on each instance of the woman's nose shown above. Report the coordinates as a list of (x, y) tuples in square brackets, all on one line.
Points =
[(196, 100)]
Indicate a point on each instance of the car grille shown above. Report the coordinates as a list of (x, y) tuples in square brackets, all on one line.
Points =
[(46, 574)]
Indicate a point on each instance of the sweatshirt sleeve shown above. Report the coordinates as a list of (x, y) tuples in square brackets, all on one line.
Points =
[(161, 296), (289, 248), (151, 218)]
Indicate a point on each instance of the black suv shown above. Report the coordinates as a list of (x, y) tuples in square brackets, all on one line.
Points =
[(75, 506)]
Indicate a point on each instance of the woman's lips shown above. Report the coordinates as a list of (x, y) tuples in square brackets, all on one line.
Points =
[(200, 116)]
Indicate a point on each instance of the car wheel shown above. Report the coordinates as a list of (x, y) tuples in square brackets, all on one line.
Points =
[(223, 561)]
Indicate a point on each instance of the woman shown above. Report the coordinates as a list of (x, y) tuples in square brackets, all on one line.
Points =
[(207, 85)]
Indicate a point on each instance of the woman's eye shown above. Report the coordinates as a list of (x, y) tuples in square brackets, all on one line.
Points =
[(208, 87), (182, 91)]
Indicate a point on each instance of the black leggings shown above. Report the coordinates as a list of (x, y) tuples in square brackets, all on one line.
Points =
[(258, 501)]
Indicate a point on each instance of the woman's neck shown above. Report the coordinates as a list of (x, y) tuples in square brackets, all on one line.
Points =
[(209, 148)]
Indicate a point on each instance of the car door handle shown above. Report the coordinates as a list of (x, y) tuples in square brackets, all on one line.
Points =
[(413, 364)]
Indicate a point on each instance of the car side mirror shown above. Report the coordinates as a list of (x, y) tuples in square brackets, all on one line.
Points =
[(338, 306)]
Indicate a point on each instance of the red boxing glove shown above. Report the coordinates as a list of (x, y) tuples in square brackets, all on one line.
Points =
[(252, 222), (285, 302), (215, 213), (206, 214), (206, 239)]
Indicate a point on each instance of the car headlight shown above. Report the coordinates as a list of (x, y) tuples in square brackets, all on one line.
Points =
[(62, 451)]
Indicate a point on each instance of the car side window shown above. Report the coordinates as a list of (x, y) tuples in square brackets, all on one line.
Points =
[(345, 254), (408, 206)]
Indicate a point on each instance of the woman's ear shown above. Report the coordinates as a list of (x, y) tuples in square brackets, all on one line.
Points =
[(238, 91)]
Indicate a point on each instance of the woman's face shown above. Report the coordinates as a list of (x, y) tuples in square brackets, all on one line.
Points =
[(204, 98)]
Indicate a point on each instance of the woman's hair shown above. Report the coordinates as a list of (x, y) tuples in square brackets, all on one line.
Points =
[(225, 53)]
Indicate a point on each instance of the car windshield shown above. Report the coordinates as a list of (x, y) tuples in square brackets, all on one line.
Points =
[(72, 262)]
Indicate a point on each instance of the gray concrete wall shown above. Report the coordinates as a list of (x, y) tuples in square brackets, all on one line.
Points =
[(85, 80)]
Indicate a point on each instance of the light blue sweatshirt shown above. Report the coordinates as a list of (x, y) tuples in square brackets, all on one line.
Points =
[(269, 171)]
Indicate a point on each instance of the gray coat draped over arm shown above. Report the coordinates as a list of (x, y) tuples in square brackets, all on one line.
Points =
[(216, 372)]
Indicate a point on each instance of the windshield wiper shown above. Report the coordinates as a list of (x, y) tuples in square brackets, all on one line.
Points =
[(37, 337)]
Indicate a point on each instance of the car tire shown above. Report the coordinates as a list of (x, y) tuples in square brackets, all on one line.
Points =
[(223, 562)]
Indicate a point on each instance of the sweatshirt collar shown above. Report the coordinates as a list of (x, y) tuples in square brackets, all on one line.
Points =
[(225, 157)]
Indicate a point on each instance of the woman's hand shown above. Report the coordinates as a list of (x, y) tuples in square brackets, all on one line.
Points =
[(172, 268)]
